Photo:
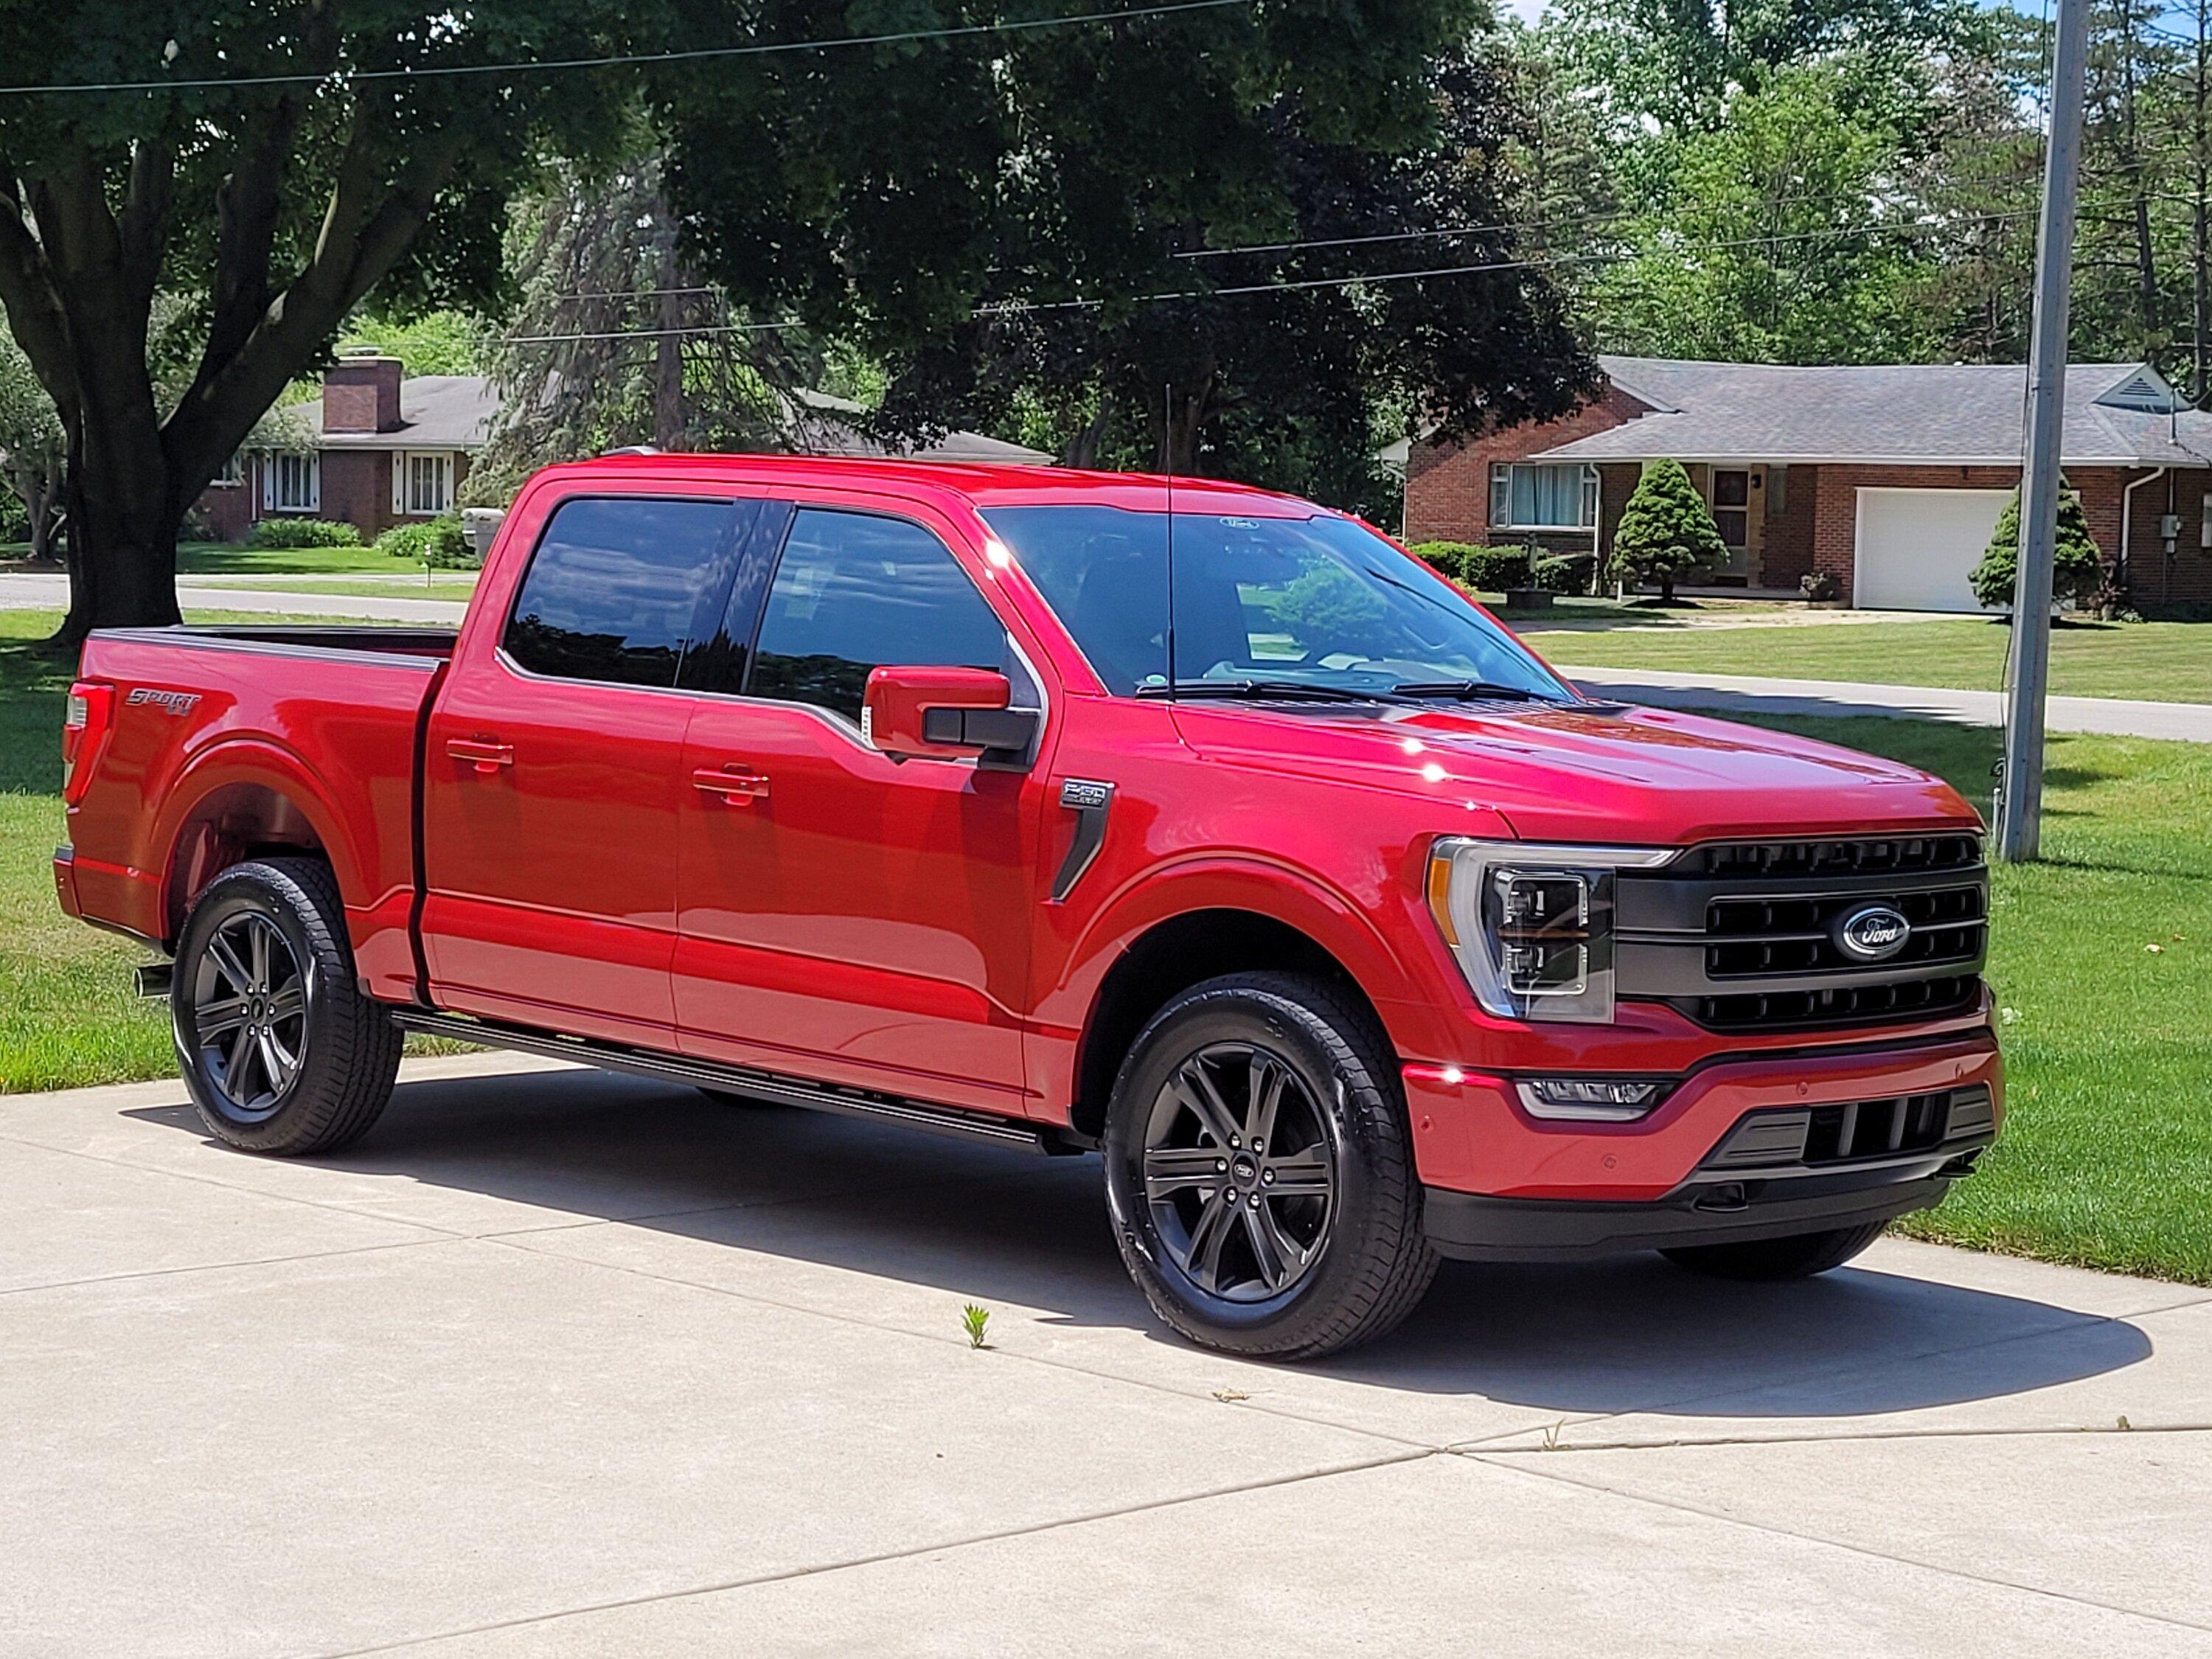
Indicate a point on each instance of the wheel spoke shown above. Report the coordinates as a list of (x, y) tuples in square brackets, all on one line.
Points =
[(257, 934), (1269, 1254), (1171, 1169), (235, 1064), (1300, 1174), (1264, 1099), (275, 1064), (1214, 1223), (289, 1003), (1196, 1090), (227, 964), (215, 1018)]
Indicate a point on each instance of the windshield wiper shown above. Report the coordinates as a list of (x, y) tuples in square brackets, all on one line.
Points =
[(1286, 690), (1469, 688)]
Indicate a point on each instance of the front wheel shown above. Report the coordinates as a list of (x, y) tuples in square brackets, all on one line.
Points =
[(1798, 1256), (281, 1051), (1259, 1174)]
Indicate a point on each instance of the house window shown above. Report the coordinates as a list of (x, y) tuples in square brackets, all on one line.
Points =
[(292, 483), (231, 471), (1542, 497), (423, 482)]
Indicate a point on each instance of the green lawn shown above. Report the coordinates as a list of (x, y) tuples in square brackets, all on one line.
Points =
[(455, 592), (227, 559), (2102, 961), (2101, 957), (2164, 662)]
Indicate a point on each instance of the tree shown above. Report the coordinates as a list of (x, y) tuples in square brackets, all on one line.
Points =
[(271, 207), (31, 446), (1666, 528), (1259, 376), (618, 340), (2078, 574), (1008, 238)]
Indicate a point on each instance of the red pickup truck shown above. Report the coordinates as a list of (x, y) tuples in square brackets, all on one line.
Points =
[(1214, 834)]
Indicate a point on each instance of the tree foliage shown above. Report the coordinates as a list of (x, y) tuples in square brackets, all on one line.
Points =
[(2077, 574), (1665, 529)]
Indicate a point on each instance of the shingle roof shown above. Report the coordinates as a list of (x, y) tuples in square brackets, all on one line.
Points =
[(817, 429), (1912, 414), (436, 411)]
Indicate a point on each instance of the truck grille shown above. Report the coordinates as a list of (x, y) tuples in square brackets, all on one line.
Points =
[(1823, 1137), (1749, 936)]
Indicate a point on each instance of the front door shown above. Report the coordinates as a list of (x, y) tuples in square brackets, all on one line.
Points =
[(844, 916), (1739, 513), (552, 774)]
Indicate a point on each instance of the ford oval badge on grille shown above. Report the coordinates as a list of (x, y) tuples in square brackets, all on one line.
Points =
[(1873, 933)]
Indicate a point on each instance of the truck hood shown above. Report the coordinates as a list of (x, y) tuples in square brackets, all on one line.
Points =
[(1586, 772)]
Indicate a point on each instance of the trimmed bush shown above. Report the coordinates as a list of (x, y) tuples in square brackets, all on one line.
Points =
[(437, 543), (411, 542), (1447, 559), (1565, 573), (302, 532), (1485, 569), (2077, 573), (1665, 529)]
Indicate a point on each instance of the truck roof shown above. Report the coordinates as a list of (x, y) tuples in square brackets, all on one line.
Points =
[(983, 484)]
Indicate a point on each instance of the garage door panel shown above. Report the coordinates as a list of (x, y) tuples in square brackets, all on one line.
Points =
[(1917, 547)]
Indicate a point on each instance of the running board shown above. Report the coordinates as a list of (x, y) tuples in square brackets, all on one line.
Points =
[(732, 1080)]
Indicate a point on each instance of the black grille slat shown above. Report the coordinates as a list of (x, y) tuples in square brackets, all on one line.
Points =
[(1853, 1132), (1843, 1005), (1870, 856)]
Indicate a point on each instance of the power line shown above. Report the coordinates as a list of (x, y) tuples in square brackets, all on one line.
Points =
[(1024, 307), (442, 71)]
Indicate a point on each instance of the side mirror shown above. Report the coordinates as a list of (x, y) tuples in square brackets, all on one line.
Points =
[(943, 713)]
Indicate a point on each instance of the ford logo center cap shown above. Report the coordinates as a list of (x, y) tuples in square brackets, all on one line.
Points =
[(1873, 933)]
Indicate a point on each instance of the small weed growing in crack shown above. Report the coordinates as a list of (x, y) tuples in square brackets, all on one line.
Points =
[(1551, 1435), (974, 1320)]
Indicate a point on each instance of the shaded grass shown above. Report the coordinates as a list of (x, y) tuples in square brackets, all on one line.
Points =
[(2161, 662), (67, 1017), (2101, 960), (227, 559)]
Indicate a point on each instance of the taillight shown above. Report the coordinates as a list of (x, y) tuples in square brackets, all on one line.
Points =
[(89, 716)]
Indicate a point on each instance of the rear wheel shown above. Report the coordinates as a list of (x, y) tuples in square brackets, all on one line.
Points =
[(281, 1051), (1798, 1256), (1258, 1170)]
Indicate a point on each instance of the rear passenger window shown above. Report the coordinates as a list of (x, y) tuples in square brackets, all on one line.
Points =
[(855, 591), (618, 589)]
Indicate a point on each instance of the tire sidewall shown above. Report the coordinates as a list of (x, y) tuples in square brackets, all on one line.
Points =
[(1275, 1021), (267, 893)]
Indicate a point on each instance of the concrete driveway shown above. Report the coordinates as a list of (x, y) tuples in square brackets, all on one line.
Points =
[(558, 1363)]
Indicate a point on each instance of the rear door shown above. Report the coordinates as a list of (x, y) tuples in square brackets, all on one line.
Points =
[(553, 783), (844, 916)]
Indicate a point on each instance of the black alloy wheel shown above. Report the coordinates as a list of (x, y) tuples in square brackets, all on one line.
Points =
[(249, 997)]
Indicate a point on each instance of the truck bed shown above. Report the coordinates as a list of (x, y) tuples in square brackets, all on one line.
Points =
[(223, 744)]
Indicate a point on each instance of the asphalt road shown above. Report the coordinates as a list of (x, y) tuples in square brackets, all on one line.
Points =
[(557, 1363)]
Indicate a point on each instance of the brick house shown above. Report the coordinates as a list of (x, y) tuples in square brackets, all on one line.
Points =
[(1889, 478), (385, 449), (382, 450)]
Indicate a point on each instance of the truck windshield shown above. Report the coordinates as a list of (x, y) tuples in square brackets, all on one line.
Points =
[(1307, 608)]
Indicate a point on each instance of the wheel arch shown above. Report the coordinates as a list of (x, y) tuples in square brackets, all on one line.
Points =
[(1185, 932), (243, 802)]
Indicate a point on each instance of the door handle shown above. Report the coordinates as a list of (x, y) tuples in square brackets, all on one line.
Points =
[(487, 755), (735, 787)]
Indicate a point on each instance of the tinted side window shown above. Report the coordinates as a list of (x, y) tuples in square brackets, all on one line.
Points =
[(853, 592), (617, 588)]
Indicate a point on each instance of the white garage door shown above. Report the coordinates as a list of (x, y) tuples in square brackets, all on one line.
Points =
[(1916, 546)]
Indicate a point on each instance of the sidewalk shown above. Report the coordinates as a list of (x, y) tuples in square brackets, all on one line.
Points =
[(21, 591), (1736, 693), (560, 1363)]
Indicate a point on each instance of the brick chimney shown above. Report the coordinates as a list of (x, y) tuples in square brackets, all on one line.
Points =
[(361, 393)]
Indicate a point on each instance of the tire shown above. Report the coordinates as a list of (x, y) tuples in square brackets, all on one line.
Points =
[(1798, 1256), (1320, 1246), (304, 1063)]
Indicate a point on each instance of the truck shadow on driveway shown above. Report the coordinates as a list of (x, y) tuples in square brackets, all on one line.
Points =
[(835, 1216)]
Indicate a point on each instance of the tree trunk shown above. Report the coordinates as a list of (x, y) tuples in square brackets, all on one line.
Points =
[(39, 501), (122, 549)]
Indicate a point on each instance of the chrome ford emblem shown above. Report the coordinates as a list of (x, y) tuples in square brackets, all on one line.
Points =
[(1873, 933)]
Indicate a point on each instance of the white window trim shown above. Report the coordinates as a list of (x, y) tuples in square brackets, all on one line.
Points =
[(270, 465), (449, 462), (1588, 500)]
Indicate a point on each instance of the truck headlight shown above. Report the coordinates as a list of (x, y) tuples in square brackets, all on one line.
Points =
[(1532, 925)]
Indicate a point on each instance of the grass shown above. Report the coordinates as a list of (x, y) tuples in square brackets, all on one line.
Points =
[(456, 593), (67, 1017), (2101, 959), (1577, 613), (2162, 662), (227, 559)]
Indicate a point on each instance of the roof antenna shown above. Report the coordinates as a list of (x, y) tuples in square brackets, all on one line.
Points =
[(1167, 472)]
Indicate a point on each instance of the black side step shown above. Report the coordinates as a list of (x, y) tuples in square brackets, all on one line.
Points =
[(737, 1080)]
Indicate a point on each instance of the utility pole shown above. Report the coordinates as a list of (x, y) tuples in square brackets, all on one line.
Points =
[(2020, 808)]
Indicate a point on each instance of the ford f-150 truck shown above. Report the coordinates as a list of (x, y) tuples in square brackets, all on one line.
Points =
[(1181, 822)]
